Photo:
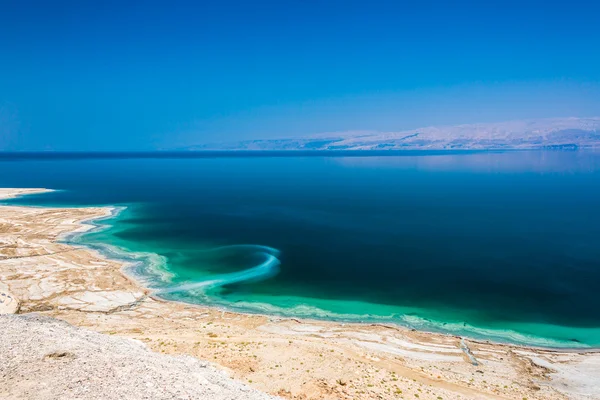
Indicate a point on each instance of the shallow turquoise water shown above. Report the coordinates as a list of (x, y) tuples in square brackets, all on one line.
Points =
[(500, 246)]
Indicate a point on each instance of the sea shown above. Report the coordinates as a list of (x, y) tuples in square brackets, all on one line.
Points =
[(493, 245)]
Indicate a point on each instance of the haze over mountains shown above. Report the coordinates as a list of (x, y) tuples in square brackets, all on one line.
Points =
[(556, 133)]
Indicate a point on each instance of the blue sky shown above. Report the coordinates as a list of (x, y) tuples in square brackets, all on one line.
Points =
[(113, 75)]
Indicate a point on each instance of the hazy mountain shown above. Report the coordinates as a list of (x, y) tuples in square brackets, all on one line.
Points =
[(529, 134)]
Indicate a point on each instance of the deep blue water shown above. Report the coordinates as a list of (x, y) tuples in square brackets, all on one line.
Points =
[(503, 246)]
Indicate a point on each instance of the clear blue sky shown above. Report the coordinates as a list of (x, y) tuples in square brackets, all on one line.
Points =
[(124, 75)]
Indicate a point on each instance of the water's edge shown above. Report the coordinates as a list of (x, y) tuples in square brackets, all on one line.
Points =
[(150, 271)]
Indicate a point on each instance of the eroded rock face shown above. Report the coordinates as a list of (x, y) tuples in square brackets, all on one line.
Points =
[(45, 358)]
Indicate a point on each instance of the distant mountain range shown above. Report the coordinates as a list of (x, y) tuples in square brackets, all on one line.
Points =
[(556, 133)]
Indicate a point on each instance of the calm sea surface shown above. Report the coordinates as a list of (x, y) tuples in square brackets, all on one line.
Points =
[(503, 246)]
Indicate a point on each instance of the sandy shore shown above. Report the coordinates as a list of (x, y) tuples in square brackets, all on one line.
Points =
[(297, 359)]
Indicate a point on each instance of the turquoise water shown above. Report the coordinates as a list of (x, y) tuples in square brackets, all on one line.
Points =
[(499, 246)]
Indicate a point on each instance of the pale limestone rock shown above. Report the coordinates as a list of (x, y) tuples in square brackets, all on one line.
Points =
[(8, 303), (102, 301)]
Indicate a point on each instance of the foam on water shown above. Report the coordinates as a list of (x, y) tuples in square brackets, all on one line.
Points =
[(268, 268)]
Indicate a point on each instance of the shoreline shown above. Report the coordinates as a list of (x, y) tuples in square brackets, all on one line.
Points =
[(415, 348), (129, 260)]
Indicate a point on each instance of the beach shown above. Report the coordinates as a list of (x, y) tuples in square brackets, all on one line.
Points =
[(291, 358)]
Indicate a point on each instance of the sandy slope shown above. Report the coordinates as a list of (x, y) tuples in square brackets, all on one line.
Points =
[(46, 358), (298, 359)]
